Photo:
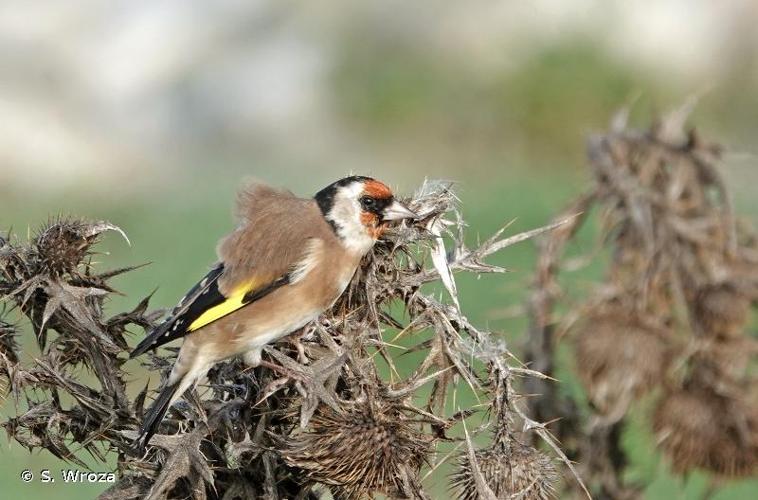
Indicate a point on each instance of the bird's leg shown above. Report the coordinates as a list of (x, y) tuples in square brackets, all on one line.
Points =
[(295, 339), (280, 369), (196, 404), (271, 388)]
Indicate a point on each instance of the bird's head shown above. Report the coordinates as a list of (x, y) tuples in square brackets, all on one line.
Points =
[(359, 209)]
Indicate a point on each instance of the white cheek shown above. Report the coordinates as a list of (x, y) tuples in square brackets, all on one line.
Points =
[(280, 330), (347, 216), (359, 242)]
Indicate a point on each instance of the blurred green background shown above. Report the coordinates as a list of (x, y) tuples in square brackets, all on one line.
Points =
[(150, 114)]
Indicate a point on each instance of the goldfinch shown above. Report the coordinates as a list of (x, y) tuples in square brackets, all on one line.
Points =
[(288, 261)]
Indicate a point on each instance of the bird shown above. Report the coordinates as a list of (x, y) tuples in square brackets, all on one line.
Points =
[(288, 260)]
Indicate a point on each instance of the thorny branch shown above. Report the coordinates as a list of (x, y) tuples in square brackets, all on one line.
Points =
[(320, 413)]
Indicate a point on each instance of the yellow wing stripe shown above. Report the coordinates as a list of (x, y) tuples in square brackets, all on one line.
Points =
[(231, 304)]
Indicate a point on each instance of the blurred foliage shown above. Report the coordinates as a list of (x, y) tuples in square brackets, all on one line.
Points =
[(539, 110), (555, 96)]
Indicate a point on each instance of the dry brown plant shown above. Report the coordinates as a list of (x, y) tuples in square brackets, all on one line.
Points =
[(669, 321), (336, 415)]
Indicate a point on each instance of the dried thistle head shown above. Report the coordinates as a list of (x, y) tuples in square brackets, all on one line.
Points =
[(722, 310), (726, 359), (700, 429), (63, 243), (366, 449), (618, 359), (510, 469)]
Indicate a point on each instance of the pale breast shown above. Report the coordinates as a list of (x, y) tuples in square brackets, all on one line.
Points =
[(330, 279)]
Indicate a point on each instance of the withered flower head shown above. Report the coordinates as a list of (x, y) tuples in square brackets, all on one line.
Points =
[(722, 310), (359, 451), (510, 469), (699, 429), (618, 360), (727, 358), (63, 243)]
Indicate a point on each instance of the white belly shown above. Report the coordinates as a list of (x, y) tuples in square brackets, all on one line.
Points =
[(255, 345)]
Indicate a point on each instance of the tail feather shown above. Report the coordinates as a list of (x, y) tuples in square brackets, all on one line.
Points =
[(155, 415)]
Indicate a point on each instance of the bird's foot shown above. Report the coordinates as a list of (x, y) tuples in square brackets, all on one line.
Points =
[(296, 340), (287, 373)]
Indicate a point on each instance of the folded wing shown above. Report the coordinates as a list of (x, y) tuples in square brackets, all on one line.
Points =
[(264, 253)]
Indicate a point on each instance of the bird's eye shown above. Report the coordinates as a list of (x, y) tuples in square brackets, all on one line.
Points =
[(368, 202)]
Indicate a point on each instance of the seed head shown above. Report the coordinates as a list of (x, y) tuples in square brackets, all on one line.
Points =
[(722, 310), (618, 360), (360, 451), (511, 470), (62, 245), (727, 358), (697, 428)]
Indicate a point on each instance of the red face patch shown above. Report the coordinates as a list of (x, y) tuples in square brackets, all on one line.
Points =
[(373, 227), (377, 189)]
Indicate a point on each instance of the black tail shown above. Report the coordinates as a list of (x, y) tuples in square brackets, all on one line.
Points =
[(155, 415)]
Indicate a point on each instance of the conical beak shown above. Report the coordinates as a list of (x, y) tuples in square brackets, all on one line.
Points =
[(397, 211)]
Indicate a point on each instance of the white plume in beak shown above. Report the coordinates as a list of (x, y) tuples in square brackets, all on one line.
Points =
[(397, 211)]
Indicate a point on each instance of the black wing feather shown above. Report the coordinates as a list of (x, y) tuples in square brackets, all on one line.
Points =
[(199, 299), (204, 295)]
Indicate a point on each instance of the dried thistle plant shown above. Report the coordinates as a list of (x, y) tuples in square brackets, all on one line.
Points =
[(671, 315), (329, 417), (507, 468)]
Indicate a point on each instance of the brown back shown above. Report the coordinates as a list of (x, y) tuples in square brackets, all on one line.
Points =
[(272, 236)]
